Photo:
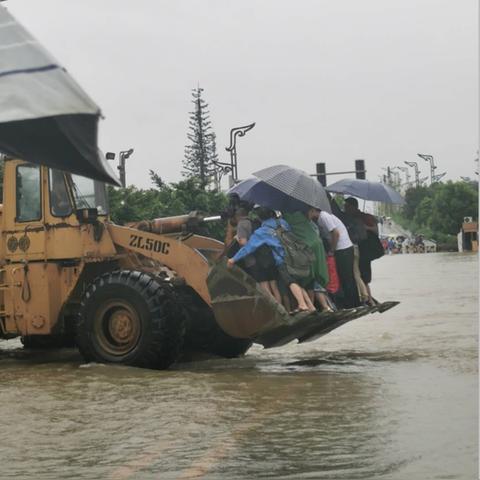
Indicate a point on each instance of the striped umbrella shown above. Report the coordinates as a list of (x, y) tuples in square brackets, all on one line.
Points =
[(297, 184), (45, 116), (253, 190)]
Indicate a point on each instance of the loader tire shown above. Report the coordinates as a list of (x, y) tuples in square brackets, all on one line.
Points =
[(130, 318)]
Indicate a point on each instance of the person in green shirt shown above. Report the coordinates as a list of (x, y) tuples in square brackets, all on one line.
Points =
[(304, 227)]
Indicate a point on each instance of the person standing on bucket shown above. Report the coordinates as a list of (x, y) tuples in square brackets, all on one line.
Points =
[(341, 247), (370, 247)]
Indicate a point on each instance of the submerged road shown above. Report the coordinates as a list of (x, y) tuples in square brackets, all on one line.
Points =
[(390, 396)]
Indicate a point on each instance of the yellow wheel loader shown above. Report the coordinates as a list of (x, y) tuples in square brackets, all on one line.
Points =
[(144, 295)]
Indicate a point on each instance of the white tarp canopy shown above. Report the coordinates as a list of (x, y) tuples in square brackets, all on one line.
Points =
[(45, 116)]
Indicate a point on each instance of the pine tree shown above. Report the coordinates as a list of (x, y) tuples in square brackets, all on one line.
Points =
[(201, 154)]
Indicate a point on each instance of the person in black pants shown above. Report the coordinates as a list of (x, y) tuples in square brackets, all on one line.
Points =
[(344, 260), (342, 248)]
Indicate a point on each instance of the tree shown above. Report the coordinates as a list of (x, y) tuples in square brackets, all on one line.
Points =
[(452, 202), (423, 211), (132, 205), (439, 208), (413, 198), (201, 154), (156, 179)]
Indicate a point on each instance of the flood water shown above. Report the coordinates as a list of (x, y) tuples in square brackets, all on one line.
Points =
[(388, 396)]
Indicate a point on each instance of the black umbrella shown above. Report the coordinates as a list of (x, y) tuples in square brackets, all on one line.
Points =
[(45, 116)]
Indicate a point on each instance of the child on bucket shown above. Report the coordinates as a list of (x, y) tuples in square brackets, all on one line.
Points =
[(267, 235)]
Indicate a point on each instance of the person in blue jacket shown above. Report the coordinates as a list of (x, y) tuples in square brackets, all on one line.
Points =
[(266, 235)]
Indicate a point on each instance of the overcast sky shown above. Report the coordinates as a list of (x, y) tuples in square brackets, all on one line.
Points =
[(325, 80)]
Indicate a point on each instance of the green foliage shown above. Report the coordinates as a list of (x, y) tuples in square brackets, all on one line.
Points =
[(413, 198), (438, 211), (423, 211), (450, 204), (131, 204)]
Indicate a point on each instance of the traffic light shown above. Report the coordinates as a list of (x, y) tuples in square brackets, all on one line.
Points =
[(321, 176), (360, 169)]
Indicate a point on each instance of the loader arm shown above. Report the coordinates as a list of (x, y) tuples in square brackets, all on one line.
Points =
[(177, 255)]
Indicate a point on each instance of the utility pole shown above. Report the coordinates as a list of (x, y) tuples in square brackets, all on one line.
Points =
[(417, 172), (429, 158)]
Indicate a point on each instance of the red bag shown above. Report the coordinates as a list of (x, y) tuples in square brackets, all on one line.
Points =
[(334, 282)]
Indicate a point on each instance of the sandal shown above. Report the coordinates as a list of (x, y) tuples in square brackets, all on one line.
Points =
[(299, 310)]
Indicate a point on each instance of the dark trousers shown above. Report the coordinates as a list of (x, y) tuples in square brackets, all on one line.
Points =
[(344, 261)]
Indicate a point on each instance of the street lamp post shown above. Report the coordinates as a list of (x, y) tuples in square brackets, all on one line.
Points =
[(388, 176), (422, 180), (124, 154), (429, 158), (417, 172), (232, 167), (437, 178), (397, 178), (407, 175)]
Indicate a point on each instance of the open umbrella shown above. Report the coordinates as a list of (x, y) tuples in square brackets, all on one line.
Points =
[(366, 190), (254, 190), (296, 184), (45, 117)]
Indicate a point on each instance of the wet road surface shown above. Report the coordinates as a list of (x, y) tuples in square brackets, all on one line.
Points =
[(390, 396)]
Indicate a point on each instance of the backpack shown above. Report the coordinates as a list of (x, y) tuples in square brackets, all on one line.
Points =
[(372, 247), (299, 257)]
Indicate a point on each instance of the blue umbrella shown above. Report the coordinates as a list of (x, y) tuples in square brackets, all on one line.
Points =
[(366, 190), (254, 190)]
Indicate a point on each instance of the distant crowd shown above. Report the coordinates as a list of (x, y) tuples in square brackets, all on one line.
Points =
[(307, 260), (404, 244)]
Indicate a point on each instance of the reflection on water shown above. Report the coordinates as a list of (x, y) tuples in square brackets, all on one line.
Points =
[(390, 396)]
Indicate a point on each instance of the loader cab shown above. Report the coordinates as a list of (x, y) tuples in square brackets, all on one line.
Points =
[(50, 214), (72, 194)]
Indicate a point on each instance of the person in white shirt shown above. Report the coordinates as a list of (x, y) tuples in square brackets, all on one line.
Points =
[(342, 248)]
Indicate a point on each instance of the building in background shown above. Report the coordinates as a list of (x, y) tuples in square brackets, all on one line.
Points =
[(468, 236)]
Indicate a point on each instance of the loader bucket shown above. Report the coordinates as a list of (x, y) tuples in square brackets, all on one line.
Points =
[(244, 310)]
